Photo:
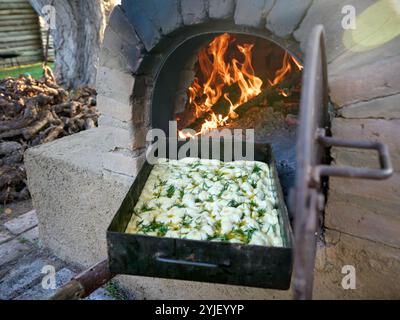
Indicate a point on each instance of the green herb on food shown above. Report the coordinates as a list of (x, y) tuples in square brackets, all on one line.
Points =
[(162, 230), (253, 204), (170, 191), (261, 212), (224, 188), (256, 169), (234, 204), (145, 208), (253, 183), (249, 234)]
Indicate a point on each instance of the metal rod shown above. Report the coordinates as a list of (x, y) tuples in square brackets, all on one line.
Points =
[(85, 283)]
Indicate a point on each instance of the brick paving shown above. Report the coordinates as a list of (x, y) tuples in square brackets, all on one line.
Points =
[(22, 260)]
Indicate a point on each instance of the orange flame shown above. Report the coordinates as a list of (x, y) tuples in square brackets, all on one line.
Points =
[(216, 73), (281, 73), (297, 63)]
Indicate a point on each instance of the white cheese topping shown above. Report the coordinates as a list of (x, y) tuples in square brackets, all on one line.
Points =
[(209, 200)]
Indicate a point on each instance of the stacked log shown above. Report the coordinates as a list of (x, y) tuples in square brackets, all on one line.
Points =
[(33, 112)]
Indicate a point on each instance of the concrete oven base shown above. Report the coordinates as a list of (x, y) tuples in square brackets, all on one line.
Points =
[(76, 193)]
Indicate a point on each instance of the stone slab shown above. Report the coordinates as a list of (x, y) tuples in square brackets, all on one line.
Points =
[(380, 108), (251, 12), (349, 86), (22, 223), (121, 48), (385, 131), (117, 53), (81, 149), (375, 38), (109, 121), (112, 60), (351, 60), (168, 15), (366, 209), (39, 293), (329, 14), (193, 11), (143, 17), (222, 9), (12, 250), (119, 22), (31, 235), (114, 108), (100, 294), (120, 163), (286, 15), (377, 268), (115, 84), (74, 201), (5, 236), (22, 277)]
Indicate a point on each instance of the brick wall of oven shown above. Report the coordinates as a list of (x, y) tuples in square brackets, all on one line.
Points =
[(364, 88)]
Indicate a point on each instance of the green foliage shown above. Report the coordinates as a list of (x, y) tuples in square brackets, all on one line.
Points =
[(113, 290), (35, 70)]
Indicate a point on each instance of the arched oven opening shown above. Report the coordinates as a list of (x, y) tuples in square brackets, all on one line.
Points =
[(232, 80)]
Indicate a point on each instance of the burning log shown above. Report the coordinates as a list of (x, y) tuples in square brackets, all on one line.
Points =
[(33, 112), (189, 119), (270, 94)]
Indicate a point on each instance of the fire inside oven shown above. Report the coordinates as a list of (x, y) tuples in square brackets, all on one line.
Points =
[(233, 81), (213, 82)]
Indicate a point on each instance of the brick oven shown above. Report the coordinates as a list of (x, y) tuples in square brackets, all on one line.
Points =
[(149, 58)]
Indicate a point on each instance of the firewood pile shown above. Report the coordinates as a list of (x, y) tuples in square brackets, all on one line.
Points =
[(33, 112)]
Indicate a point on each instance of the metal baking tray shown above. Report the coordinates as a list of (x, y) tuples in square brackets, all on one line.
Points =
[(195, 260)]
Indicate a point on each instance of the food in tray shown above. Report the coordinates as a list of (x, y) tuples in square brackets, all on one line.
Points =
[(211, 200)]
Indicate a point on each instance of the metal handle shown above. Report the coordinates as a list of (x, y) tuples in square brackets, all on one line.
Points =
[(190, 263), (385, 171)]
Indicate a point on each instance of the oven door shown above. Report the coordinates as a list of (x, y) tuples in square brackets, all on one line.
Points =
[(307, 199)]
